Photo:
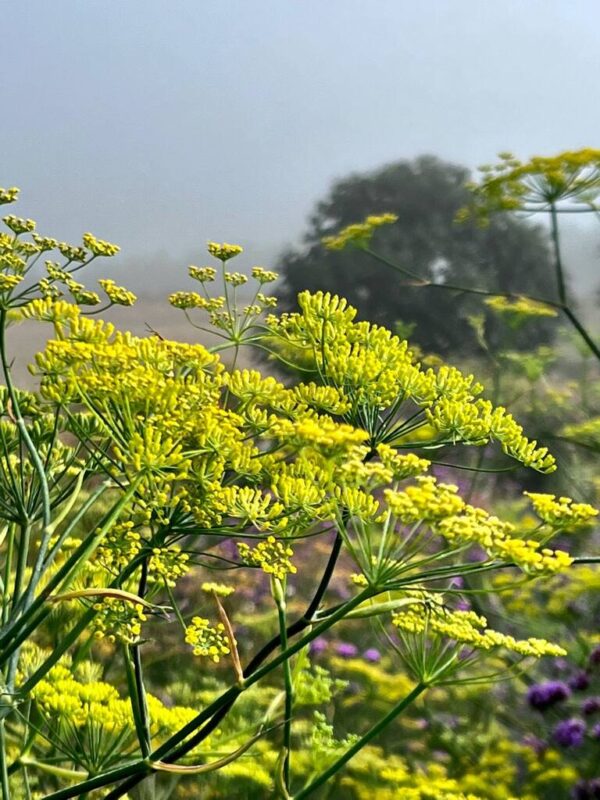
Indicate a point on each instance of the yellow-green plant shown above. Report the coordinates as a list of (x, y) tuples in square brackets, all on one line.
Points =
[(178, 454)]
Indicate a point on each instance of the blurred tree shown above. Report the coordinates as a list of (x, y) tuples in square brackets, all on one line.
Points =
[(510, 255)]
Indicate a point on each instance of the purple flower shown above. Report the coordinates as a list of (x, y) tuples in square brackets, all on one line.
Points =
[(536, 744), (346, 650), (463, 605), (579, 682), (594, 658), (544, 695), (586, 790), (372, 654), (569, 733), (590, 706), (596, 732), (318, 645)]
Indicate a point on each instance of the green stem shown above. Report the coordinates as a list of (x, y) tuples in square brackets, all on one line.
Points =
[(562, 306), (558, 265), (595, 349), (4, 782), (44, 544), (421, 282), (52, 769), (139, 705), (70, 638), (279, 592), (23, 552), (141, 768), (10, 544), (357, 746), (135, 681)]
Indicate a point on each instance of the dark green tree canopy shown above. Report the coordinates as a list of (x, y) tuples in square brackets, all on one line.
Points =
[(510, 255)]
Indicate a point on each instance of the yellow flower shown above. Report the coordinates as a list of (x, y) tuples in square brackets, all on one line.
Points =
[(224, 251), (359, 234), (208, 640)]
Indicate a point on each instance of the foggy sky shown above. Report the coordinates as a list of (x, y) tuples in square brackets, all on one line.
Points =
[(159, 124)]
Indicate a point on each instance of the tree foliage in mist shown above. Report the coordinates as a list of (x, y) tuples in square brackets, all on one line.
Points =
[(508, 255)]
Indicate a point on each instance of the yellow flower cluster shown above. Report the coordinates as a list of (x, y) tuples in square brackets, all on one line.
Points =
[(511, 184), (478, 422), (476, 526), (94, 708), (98, 247), (401, 465), (18, 225), (428, 615), (202, 274), (117, 294), (224, 251), (587, 432), (376, 371), (186, 300), (561, 512), (250, 505), (426, 501), (519, 310), (8, 282), (357, 503), (120, 546), (118, 620), (168, 564), (272, 556), (264, 275), (8, 195), (360, 233), (61, 696), (208, 640), (235, 278), (81, 295)]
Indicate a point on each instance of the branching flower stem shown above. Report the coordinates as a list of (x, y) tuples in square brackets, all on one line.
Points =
[(140, 769), (561, 305)]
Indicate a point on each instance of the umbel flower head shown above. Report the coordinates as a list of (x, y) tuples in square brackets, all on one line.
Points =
[(208, 640), (360, 233), (378, 372), (519, 310), (535, 185), (424, 620)]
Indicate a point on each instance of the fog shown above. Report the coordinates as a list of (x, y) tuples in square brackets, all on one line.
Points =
[(159, 124)]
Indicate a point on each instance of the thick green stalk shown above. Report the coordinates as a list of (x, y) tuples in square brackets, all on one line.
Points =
[(288, 685), (8, 559), (135, 681), (139, 706), (357, 746), (23, 551), (558, 265), (141, 767), (561, 284), (4, 782)]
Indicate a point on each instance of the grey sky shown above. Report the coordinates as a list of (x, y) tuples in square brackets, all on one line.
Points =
[(161, 123)]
